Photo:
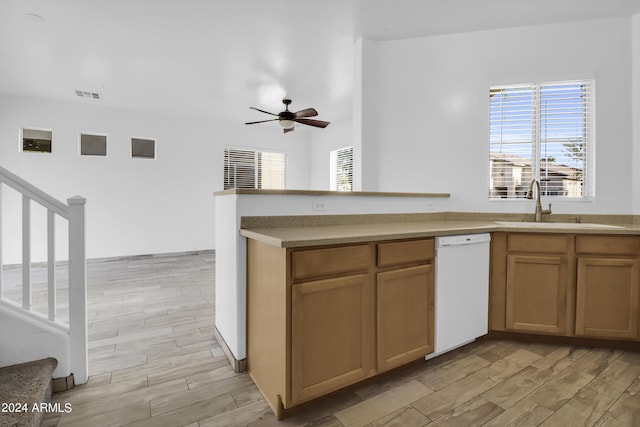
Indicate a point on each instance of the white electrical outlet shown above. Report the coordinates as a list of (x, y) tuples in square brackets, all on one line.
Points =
[(318, 205), (430, 206)]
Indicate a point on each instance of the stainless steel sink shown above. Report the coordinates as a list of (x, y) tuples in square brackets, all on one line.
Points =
[(521, 224)]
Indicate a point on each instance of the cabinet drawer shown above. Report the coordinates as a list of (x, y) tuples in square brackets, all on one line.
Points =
[(396, 253), (608, 245), (330, 261), (538, 243)]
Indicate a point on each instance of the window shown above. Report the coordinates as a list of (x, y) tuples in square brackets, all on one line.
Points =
[(93, 144), (36, 140), (143, 148), (342, 169), (253, 169), (543, 132)]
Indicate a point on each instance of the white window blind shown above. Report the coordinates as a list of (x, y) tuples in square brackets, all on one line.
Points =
[(253, 169), (543, 132), (342, 169)]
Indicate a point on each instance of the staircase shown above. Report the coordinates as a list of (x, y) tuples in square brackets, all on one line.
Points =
[(35, 332), (25, 390)]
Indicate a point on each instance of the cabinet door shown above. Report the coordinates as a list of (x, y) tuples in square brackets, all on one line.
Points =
[(331, 335), (537, 287), (404, 315), (607, 297)]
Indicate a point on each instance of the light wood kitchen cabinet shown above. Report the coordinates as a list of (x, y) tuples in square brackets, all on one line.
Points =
[(572, 285), (608, 285), (330, 335), (405, 302), (316, 263), (537, 285), (537, 297), (319, 319), (404, 315)]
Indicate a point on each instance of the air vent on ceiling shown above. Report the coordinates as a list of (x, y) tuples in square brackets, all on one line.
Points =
[(86, 94)]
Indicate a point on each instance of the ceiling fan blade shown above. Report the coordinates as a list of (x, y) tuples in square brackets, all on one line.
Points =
[(311, 122), (291, 129), (261, 121), (262, 111), (307, 112)]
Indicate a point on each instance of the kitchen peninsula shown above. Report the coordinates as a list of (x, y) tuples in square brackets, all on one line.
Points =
[(292, 256), (233, 205)]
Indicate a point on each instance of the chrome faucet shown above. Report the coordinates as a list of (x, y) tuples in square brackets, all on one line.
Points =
[(539, 210)]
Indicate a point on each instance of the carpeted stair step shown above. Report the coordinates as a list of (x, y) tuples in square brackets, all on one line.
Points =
[(22, 386)]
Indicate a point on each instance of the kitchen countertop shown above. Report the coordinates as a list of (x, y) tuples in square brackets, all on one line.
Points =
[(263, 192), (331, 234)]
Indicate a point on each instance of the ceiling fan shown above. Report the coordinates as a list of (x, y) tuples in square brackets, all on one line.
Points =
[(287, 119)]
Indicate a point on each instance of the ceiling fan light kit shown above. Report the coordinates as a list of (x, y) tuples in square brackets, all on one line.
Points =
[(287, 119), (286, 123)]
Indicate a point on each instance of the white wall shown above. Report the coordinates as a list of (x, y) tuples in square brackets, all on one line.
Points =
[(335, 136), (635, 47), (25, 339), (433, 109), (360, 131), (366, 116), (134, 206)]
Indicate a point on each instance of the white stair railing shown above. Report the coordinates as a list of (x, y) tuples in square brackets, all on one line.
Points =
[(73, 212)]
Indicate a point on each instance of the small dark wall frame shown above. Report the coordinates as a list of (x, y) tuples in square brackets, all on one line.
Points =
[(93, 144), (143, 148), (35, 140)]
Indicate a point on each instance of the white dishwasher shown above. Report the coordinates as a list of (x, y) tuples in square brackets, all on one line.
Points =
[(461, 290)]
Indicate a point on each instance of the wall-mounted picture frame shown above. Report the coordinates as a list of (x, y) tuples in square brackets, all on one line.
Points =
[(36, 140), (143, 148)]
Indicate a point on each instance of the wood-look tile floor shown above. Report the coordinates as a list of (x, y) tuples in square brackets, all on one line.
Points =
[(154, 362)]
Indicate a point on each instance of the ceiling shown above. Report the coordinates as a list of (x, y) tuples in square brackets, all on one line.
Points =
[(212, 58)]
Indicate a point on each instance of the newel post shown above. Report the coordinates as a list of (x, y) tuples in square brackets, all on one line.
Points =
[(78, 291)]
